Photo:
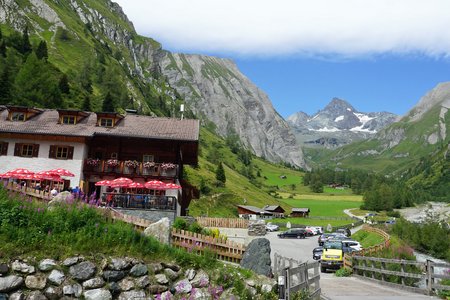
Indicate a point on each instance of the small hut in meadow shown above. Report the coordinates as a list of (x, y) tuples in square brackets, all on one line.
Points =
[(300, 212)]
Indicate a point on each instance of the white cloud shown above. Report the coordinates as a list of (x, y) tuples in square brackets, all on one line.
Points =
[(314, 27)]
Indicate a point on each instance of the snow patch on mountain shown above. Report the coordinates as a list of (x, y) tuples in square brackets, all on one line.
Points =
[(340, 118)]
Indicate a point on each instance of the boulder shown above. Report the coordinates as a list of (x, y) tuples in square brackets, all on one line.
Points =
[(97, 294), (200, 280), (53, 293), (190, 274), (257, 228), (200, 294), (35, 282), (110, 276), (126, 285), (56, 277), (62, 198), (10, 283), (139, 270), (22, 267), (166, 296), (171, 274), (47, 265), (142, 282), (132, 295), (155, 268), (4, 269), (257, 257), (82, 271), (17, 296), (70, 261), (160, 230), (36, 295), (93, 283), (119, 264), (73, 290), (171, 266), (114, 288), (157, 289), (161, 279), (183, 287)]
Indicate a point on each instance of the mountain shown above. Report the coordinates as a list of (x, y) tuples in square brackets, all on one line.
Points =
[(337, 124), (422, 132), (95, 44)]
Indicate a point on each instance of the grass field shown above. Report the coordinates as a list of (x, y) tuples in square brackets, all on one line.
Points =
[(367, 239), (324, 207)]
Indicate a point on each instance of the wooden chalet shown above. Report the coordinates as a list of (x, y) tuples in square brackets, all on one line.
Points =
[(278, 211), (99, 146), (300, 212), (253, 213)]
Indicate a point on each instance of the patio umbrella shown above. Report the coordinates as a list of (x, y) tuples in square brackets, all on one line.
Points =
[(155, 185), (172, 186), (18, 172), (103, 183), (61, 172), (135, 185), (5, 175), (46, 175), (121, 182)]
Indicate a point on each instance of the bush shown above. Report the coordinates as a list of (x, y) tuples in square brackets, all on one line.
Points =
[(180, 223), (343, 272), (393, 214)]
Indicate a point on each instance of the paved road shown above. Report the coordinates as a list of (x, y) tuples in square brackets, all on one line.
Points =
[(333, 288)]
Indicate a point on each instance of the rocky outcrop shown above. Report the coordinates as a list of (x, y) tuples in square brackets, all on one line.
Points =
[(84, 280), (159, 230), (257, 257)]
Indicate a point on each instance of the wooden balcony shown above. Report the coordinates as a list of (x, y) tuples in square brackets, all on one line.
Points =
[(139, 201), (102, 168)]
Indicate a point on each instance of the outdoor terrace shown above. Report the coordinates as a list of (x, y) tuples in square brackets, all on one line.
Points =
[(112, 166)]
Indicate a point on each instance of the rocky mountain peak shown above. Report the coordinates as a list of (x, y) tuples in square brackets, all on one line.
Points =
[(338, 106)]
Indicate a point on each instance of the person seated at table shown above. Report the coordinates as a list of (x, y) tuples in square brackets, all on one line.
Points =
[(109, 199)]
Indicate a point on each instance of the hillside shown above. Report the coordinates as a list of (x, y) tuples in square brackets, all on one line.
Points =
[(95, 45), (400, 146)]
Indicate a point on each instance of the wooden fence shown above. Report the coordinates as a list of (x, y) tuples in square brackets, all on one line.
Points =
[(223, 222), (295, 277), (370, 250), (408, 274), (138, 223), (197, 243)]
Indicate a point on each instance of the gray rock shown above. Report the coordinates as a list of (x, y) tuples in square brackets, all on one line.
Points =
[(160, 230), (113, 275), (35, 282), (114, 288), (17, 296), (22, 267), (200, 280), (132, 295), (73, 290), (166, 296), (70, 261), (119, 264), (200, 294), (62, 198), (171, 274), (267, 288), (161, 279), (138, 270), (47, 265), (93, 283), (53, 293), (97, 294), (155, 268), (10, 283), (142, 282), (56, 277), (82, 271), (3, 296), (257, 228), (157, 289), (36, 295), (183, 287), (190, 274), (126, 284), (257, 257), (4, 269), (171, 266)]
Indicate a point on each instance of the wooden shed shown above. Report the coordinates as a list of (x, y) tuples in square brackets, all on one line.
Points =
[(300, 212)]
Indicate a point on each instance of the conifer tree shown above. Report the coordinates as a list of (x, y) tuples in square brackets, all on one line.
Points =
[(3, 48), (87, 103), (63, 84), (42, 51), (108, 105), (26, 45), (220, 173), (5, 86)]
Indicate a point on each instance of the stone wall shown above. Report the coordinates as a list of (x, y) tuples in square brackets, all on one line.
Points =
[(109, 278), (151, 215)]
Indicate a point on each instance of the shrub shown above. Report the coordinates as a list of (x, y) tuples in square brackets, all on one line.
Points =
[(343, 272), (393, 214), (180, 223)]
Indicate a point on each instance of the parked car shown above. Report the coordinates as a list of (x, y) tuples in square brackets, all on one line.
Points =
[(344, 231), (272, 227), (326, 236), (314, 230), (298, 233), (352, 244), (317, 253), (391, 222)]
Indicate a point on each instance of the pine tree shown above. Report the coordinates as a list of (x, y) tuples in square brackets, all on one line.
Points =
[(42, 51), (87, 104), (3, 48), (26, 45), (5, 86), (64, 86), (220, 173), (108, 103)]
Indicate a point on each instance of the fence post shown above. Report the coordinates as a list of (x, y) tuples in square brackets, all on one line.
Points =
[(282, 284), (430, 271)]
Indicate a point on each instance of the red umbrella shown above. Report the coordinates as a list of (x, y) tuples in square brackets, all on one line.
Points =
[(103, 183), (5, 175), (136, 185), (172, 186), (30, 177), (18, 172), (46, 175), (61, 172), (121, 182), (155, 185)]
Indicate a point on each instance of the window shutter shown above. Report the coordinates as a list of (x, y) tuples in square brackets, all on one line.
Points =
[(52, 152), (4, 148), (17, 148), (35, 150), (70, 152)]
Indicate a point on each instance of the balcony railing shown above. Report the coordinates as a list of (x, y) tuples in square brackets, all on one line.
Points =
[(102, 167), (139, 201)]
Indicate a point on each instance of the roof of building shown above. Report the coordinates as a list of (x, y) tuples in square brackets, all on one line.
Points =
[(272, 207), (255, 209), (300, 209), (131, 126)]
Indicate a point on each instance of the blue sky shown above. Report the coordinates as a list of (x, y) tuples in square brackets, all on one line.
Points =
[(379, 55)]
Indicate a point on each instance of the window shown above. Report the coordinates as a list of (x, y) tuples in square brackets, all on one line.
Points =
[(18, 116), (106, 122), (147, 158), (67, 119), (61, 152), (3, 148), (27, 150)]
